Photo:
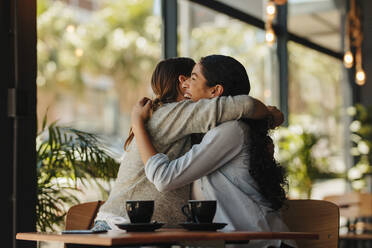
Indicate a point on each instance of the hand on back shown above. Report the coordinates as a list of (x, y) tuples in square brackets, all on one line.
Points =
[(276, 115), (141, 111)]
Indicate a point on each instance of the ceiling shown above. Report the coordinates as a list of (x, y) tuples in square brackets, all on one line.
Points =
[(317, 20)]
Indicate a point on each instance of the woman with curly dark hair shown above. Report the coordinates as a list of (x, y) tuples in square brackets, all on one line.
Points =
[(267, 173), (233, 164)]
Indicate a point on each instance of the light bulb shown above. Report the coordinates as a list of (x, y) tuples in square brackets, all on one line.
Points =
[(360, 77), (270, 36), (348, 59), (79, 52), (70, 28), (270, 10)]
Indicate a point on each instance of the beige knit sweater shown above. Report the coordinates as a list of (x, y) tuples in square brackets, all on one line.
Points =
[(170, 127)]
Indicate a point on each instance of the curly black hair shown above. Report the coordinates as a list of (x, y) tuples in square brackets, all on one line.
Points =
[(265, 170)]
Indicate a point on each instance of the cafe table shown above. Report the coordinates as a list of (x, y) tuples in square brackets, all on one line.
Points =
[(163, 236), (355, 240)]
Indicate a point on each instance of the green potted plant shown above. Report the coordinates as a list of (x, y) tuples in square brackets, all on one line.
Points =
[(361, 138), (303, 165), (65, 157)]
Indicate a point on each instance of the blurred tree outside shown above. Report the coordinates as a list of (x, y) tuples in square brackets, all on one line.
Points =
[(206, 32), (87, 60), (315, 99), (315, 105), (238, 40), (361, 138), (312, 76), (305, 155)]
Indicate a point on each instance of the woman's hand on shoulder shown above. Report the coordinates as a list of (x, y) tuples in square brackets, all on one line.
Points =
[(141, 111), (276, 117)]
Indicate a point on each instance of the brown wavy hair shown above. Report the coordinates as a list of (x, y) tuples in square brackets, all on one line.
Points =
[(165, 83)]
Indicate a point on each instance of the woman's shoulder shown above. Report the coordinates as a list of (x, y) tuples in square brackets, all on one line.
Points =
[(187, 103), (234, 126), (167, 109), (234, 129), (172, 105)]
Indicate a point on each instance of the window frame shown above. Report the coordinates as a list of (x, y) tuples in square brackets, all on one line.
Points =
[(170, 40)]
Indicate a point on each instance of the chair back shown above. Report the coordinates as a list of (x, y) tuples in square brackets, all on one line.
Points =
[(81, 216), (353, 204), (317, 216)]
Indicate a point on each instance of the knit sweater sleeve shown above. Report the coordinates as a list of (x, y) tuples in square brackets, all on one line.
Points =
[(177, 120)]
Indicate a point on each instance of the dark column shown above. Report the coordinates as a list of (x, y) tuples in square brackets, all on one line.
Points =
[(18, 118), (169, 31), (6, 131), (366, 90), (347, 93), (282, 52)]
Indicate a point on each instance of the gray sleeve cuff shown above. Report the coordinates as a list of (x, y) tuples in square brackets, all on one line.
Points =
[(153, 163)]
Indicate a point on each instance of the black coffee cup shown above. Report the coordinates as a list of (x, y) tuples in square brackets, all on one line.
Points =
[(200, 211), (140, 211)]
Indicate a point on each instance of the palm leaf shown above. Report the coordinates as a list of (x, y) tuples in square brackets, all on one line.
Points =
[(73, 156)]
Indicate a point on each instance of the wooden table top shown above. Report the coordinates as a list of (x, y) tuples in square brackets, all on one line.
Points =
[(365, 236), (160, 236)]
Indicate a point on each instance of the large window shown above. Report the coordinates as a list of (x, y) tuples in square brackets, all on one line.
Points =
[(314, 81), (203, 32), (95, 59), (315, 105)]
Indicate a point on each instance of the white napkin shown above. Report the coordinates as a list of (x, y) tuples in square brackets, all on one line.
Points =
[(112, 221)]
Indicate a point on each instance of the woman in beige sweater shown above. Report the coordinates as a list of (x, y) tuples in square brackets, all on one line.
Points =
[(173, 121)]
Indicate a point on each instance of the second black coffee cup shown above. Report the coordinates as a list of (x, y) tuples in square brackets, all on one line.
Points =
[(140, 211), (200, 211)]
